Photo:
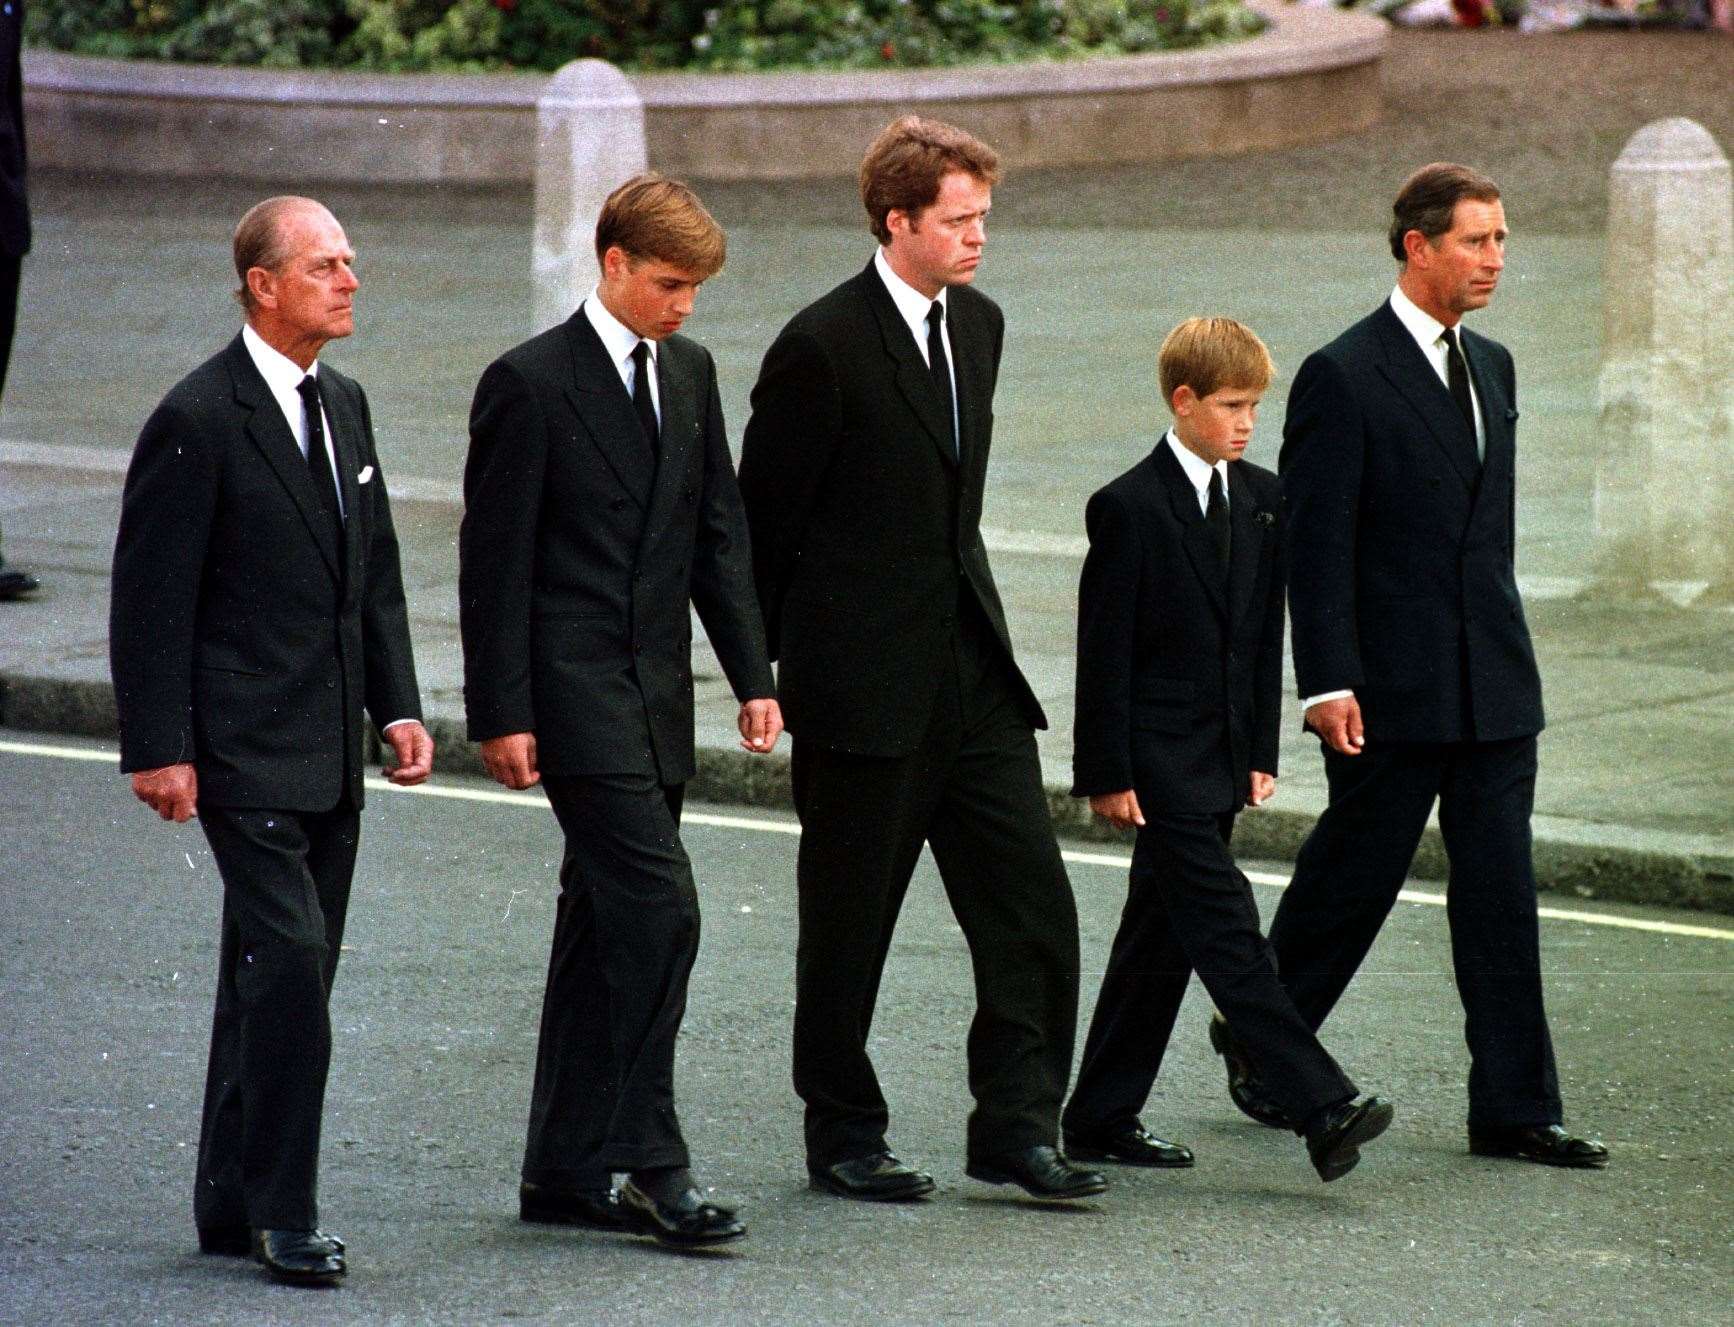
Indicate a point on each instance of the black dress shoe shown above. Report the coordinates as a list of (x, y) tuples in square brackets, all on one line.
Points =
[(1132, 1146), (15, 584), (686, 1220), (597, 1209), (1548, 1144), (1334, 1143), (1040, 1172), (299, 1257), (878, 1178), (1244, 1089)]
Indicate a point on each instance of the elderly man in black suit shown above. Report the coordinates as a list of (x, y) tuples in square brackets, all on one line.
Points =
[(257, 611), (863, 468), (1414, 663), (1178, 703), (600, 503), (14, 222)]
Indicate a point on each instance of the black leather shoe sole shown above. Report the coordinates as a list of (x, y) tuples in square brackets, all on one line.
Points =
[(900, 1189), (1086, 1187), (1079, 1149), (1516, 1152), (1254, 1105), (1345, 1151)]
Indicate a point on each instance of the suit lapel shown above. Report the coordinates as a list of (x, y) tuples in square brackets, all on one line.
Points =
[(1247, 544), (599, 398), (1195, 532), (270, 433), (677, 393), (914, 380), (1407, 369)]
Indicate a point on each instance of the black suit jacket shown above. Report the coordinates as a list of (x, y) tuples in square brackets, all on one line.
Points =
[(1401, 546), (866, 530), (14, 204), (580, 555), (1179, 684), (244, 636)]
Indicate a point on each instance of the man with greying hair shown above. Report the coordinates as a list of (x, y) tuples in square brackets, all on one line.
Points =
[(1413, 661), (600, 507), (257, 612), (863, 468)]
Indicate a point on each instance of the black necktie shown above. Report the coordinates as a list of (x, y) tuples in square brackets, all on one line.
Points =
[(1216, 513), (1457, 375), (940, 367), (318, 463), (641, 401)]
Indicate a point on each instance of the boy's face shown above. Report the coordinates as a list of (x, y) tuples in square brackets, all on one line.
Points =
[(650, 297), (1216, 427)]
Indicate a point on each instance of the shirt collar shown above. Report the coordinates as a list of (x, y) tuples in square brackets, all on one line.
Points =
[(281, 374), (617, 338), (910, 302), (1196, 467), (1423, 326)]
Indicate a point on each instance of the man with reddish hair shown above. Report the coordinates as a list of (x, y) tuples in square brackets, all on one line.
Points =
[(862, 469)]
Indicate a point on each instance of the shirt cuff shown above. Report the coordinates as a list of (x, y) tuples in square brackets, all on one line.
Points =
[(1307, 702), (386, 728)]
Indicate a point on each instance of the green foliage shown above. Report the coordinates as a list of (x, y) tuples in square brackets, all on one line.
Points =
[(642, 34)]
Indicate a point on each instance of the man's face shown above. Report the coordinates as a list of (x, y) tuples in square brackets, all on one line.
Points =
[(311, 298), (941, 245), (1216, 427), (1460, 269), (651, 297)]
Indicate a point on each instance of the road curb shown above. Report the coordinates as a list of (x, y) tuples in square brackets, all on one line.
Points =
[(1575, 869)]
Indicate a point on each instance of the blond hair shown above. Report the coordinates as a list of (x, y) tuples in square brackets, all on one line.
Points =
[(651, 216), (903, 169), (1209, 354)]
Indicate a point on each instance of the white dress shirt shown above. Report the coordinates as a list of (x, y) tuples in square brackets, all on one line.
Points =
[(1429, 334), (283, 376), (620, 341), (914, 307), (1198, 471)]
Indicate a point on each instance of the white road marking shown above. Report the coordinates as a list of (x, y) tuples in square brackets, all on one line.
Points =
[(754, 824)]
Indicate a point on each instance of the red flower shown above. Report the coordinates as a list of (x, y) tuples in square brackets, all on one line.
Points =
[(887, 52), (507, 5)]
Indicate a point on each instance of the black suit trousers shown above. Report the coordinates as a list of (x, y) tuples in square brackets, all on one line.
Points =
[(1352, 865), (1189, 908), (971, 790), (286, 877), (626, 932)]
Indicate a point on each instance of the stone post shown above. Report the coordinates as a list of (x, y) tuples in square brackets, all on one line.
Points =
[(589, 140), (1665, 446)]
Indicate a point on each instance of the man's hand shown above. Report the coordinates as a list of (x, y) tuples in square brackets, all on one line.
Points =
[(415, 752), (1263, 785), (172, 791), (512, 759), (761, 723), (1119, 809), (1339, 723)]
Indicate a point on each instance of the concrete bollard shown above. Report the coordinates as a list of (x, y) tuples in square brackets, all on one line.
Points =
[(1665, 445), (589, 140)]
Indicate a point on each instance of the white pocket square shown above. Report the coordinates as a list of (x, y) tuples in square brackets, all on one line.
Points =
[(365, 475)]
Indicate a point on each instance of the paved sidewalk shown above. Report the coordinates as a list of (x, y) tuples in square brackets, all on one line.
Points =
[(126, 292)]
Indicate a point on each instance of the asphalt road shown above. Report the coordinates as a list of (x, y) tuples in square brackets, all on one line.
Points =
[(106, 970)]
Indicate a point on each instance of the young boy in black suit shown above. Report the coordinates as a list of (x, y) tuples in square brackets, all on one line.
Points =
[(1180, 620)]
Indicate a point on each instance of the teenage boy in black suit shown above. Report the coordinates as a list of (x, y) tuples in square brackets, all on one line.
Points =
[(1180, 616)]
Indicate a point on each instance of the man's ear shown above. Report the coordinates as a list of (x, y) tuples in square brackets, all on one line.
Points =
[(1417, 246), (262, 286), (615, 262)]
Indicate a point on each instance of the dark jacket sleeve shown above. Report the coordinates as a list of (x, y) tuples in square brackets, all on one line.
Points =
[(503, 480), (388, 657), (797, 417), (1322, 456), (166, 512), (1108, 590), (1267, 672), (722, 579)]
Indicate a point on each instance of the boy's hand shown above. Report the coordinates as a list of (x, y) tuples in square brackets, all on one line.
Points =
[(1263, 786), (1119, 809)]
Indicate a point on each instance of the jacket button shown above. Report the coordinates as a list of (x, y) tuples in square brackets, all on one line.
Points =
[(330, 685)]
